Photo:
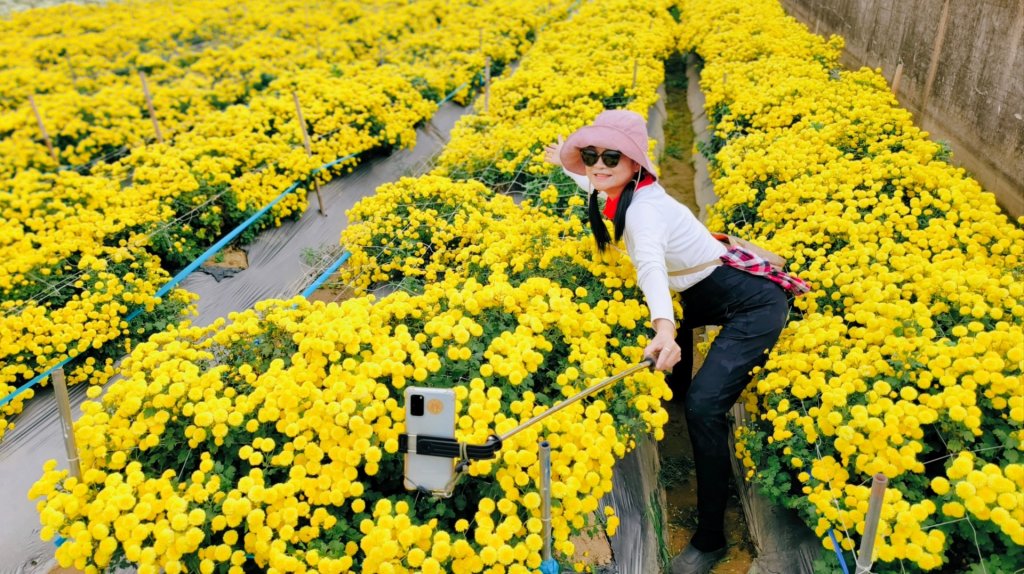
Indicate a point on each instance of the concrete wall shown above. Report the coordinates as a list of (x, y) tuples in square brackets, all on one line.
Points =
[(962, 73)]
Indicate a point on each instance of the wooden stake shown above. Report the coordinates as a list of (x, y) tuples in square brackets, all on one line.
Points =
[(316, 39), (487, 85), (309, 151), (487, 75), (149, 105), (897, 77), (60, 388), (316, 36), (867, 543), (933, 66), (42, 128), (71, 70), (636, 66)]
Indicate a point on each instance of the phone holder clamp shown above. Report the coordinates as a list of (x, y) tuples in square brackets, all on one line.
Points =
[(448, 447)]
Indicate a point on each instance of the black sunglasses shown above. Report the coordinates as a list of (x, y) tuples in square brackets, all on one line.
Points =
[(609, 157)]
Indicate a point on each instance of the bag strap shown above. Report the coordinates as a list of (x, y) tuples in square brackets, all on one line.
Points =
[(778, 262), (721, 237), (694, 269)]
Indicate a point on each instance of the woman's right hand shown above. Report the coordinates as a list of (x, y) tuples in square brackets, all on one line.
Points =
[(663, 346), (552, 152)]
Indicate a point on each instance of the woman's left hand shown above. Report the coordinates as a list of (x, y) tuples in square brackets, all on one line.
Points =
[(663, 346), (552, 151)]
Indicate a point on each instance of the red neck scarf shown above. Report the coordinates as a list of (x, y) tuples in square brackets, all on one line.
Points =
[(612, 205)]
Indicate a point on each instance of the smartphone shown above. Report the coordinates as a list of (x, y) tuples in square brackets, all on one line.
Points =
[(429, 412)]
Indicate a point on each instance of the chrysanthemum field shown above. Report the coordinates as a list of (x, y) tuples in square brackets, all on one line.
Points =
[(269, 440)]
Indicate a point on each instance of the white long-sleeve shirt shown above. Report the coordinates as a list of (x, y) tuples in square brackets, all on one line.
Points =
[(663, 235)]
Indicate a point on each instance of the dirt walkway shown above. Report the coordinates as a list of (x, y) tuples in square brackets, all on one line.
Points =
[(675, 451)]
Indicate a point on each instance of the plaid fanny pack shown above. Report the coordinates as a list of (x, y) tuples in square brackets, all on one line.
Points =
[(744, 260)]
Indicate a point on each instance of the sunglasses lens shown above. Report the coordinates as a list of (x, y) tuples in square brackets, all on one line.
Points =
[(588, 156), (609, 157)]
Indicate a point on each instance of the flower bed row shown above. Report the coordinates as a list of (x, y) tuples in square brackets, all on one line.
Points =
[(548, 96), (907, 358), (81, 62), (290, 412), (164, 204)]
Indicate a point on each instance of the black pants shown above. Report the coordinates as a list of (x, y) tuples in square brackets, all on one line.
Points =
[(752, 312)]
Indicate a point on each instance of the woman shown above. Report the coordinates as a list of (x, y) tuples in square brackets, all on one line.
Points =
[(673, 252)]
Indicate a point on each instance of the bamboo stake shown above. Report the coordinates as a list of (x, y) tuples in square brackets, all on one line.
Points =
[(149, 105), (42, 128), (64, 406), (487, 86), (933, 66), (867, 543), (316, 36), (545, 496), (309, 151), (897, 77), (636, 67), (71, 69)]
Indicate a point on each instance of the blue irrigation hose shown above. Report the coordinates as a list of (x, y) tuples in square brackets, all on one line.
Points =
[(455, 91), (170, 284), (839, 552), (323, 277), (331, 164), (29, 384)]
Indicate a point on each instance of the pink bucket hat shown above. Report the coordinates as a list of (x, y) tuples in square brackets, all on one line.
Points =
[(621, 130)]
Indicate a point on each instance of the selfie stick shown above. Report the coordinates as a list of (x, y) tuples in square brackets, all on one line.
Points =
[(450, 448), (648, 362)]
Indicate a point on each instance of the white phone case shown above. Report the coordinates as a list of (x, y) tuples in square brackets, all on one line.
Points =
[(432, 473)]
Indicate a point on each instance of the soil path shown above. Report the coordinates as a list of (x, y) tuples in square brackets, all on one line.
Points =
[(675, 451)]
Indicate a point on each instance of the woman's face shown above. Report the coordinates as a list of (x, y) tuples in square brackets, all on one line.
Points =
[(610, 180)]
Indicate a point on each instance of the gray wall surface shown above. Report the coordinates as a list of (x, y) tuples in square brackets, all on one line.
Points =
[(962, 73)]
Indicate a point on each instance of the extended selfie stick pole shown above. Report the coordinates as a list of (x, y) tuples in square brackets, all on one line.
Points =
[(450, 448), (646, 363)]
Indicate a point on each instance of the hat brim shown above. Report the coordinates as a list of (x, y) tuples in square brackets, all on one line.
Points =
[(605, 137)]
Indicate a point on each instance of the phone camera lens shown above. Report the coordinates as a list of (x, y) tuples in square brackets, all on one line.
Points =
[(416, 406)]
